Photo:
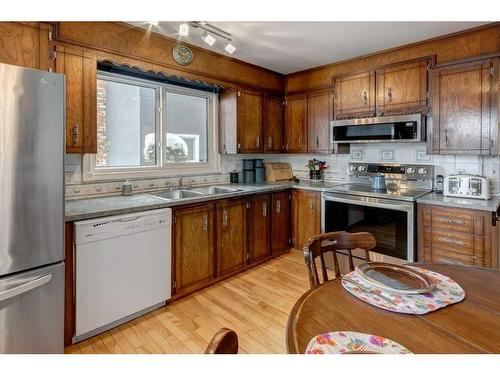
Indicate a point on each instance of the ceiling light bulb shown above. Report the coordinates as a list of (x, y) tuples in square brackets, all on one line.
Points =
[(207, 38), (229, 48), (153, 23), (183, 29)]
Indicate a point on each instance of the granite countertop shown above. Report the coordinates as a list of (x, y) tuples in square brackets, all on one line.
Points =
[(90, 208), (491, 204)]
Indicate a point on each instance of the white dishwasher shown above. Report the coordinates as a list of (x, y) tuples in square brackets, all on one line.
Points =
[(122, 269)]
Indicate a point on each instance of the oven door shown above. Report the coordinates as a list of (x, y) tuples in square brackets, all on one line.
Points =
[(391, 222)]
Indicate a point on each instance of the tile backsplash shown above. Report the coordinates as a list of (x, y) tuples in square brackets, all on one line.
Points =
[(376, 153)]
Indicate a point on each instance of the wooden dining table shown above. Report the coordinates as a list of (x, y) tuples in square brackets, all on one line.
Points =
[(470, 326)]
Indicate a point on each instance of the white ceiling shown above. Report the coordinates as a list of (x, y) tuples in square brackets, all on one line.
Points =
[(288, 47)]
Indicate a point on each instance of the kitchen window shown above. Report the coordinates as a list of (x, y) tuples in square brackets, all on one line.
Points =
[(150, 129)]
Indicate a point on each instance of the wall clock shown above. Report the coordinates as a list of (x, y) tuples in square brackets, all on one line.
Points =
[(182, 54)]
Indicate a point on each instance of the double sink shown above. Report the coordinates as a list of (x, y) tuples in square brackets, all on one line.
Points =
[(194, 193)]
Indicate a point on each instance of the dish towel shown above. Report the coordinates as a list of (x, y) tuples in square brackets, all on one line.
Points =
[(446, 292), (351, 342)]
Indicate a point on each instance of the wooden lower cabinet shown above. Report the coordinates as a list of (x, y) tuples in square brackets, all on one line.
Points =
[(280, 222), (306, 216), (457, 236), (232, 242), (194, 247), (259, 224)]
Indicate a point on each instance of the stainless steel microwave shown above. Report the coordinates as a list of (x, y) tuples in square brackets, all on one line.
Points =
[(404, 128)]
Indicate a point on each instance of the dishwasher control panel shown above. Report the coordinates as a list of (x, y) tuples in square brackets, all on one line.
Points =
[(121, 225)]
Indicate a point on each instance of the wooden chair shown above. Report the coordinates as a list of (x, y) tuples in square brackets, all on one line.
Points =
[(333, 242), (225, 341)]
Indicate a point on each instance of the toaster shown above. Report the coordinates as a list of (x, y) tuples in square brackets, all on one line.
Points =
[(467, 186)]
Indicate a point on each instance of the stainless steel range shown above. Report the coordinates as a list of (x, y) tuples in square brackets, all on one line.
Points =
[(389, 214)]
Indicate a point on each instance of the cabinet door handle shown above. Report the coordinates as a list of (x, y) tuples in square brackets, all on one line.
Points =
[(445, 136), (225, 149), (389, 95), (205, 222), (75, 132), (270, 141), (365, 98), (311, 206), (224, 218), (317, 142), (278, 206), (300, 142), (257, 141), (264, 209)]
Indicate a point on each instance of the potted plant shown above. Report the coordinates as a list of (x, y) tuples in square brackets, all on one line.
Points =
[(316, 168)]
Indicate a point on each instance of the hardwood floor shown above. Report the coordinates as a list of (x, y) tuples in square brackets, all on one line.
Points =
[(255, 304)]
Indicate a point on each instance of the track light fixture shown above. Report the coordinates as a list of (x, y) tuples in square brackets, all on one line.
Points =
[(207, 38), (183, 29), (210, 33), (229, 48)]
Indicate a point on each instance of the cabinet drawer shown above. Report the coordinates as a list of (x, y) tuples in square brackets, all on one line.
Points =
[(444, 255), (463, 243), (456, 220)]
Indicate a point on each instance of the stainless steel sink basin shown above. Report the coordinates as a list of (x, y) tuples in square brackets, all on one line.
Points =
[(212, 190), (177, 194)]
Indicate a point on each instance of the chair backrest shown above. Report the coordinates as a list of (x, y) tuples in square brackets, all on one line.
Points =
[(225, 341), (323, 243)]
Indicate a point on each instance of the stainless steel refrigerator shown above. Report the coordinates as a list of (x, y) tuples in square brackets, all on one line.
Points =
[(31, 210)]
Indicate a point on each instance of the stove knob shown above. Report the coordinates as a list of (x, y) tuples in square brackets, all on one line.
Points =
[(410, 170), (362, 168), (422, 171), (353, 168)]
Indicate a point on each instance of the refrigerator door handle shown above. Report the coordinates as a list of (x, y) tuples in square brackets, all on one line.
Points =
[(26, 287)]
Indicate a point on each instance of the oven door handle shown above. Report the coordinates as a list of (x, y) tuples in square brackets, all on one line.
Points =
[(370, 202)]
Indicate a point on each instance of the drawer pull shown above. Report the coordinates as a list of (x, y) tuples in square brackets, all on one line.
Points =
[(450, 261), (278, 206), (450, 221), (452, 241)]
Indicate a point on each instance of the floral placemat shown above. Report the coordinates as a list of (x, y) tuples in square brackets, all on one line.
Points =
[(446, 292), (352, 342)]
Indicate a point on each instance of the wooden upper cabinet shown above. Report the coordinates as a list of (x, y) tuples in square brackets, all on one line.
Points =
[(465, 108), (80, 69), (249, 120), (241, 115), (194, 247), (354, 95), (306, 216), (280, 222), (402, 88), (231, 236), (259, 224), (25, 44), (296, 124), (273, 123), (320, 113), (228, 111)]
